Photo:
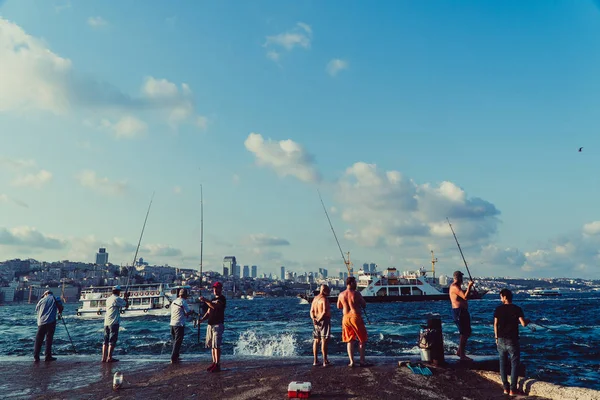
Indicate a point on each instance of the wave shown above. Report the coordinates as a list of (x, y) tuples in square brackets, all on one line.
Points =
[(251, 343)]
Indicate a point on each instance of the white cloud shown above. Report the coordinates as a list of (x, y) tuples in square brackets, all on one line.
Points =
[(336, 65), (90, 180), (25, 236), (178, 101), (36, 180), (119, 249), (160, 250), (386, 208), (97, 22), (16, 164), (128, 127), (177, 190), (592, 229), (261, 239), (576, 254), (31, 76), (299, 36), (202, 122), (273, 55), (285, 157), (235, 179)]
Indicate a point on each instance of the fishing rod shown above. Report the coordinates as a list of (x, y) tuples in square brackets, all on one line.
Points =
[(201, 249), (138, 245), (346, 262), (459, 249), (63, 320), (543, 326), (68, 334)]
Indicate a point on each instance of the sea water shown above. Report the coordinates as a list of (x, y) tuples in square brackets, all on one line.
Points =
[(565, 350)]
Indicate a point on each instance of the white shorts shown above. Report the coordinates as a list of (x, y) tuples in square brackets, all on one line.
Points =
[(214, 336)]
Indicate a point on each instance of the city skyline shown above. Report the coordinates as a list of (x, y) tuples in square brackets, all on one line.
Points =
[(401, 116)]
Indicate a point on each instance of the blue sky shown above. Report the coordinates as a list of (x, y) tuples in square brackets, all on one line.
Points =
[(401, 114)]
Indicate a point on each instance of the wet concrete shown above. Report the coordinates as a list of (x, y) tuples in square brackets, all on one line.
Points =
[(241, 379)]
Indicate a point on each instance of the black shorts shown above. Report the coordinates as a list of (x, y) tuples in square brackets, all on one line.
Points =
[(111, 334), (462, 319)]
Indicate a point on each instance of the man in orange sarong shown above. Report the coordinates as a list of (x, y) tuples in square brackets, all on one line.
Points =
[(353, 327)]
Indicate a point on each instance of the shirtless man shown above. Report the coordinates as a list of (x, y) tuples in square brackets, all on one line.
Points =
[(353, 327), (460, 312), (320, 312)]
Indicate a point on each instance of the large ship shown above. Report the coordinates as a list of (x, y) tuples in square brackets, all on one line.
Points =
[(145, 299), (390, 286)]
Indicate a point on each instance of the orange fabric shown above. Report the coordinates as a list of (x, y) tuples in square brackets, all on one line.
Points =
[(353, 328)]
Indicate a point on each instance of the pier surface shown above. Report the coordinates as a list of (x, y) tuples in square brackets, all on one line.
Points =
[(84, 377)]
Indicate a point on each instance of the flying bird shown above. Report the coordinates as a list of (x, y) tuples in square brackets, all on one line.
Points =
[(581, 148)]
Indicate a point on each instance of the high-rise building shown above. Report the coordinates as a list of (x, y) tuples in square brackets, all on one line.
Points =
[(322, 273), (341, 275), (236, 270), (282, 276), (366, 267), (246, 272), (229, 262), (254, 271), (373, 267), (101, 256)]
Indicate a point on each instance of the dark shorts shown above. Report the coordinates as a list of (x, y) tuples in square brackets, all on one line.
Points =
[(111, 334), (462, 319), (322, 329)]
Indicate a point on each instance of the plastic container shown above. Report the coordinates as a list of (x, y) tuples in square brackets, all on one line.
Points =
[(299, 390), (425, 355), (117, 380)]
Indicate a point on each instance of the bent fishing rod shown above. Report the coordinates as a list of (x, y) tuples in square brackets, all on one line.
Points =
[(64, 323), (346, 262), (138, 245), (459, 249)]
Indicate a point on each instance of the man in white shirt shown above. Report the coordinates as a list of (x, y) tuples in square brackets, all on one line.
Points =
[(179, 311), (112, 319), (46, 310)]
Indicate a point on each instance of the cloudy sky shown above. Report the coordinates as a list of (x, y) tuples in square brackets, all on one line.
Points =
[(400, 115)]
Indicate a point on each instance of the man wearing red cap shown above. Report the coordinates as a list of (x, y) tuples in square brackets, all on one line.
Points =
[(216, 325)]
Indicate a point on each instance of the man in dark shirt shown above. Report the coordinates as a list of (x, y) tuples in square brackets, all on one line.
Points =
[(506, 331), (216, 325)]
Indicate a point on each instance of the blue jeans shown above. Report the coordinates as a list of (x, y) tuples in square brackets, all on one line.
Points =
[(508, 348)]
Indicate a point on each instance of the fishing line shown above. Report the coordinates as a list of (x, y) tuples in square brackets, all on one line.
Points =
[(346, 262)]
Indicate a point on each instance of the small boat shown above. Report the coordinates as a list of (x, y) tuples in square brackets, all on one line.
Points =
[(144, 299), (546, 292)]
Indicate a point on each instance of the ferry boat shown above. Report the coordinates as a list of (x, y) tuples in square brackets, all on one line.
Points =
[(390, 286), (145, 299), (546, 292)]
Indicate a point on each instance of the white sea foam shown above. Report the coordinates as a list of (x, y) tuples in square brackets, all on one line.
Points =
[(251, 343)]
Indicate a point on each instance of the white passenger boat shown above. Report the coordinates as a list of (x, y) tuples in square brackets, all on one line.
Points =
[(145, 299), (546, 292)]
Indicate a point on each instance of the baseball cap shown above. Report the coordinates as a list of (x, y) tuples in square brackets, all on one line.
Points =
[(117, 287), (457, 274), (217, 284)]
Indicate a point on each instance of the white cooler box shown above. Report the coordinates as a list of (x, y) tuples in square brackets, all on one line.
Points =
[(299, 390)]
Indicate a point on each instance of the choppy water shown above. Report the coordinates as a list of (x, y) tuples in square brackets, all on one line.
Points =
[(567, 353)]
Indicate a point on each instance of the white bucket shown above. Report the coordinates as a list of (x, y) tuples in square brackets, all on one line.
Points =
[(425, 355), (117, 380)]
